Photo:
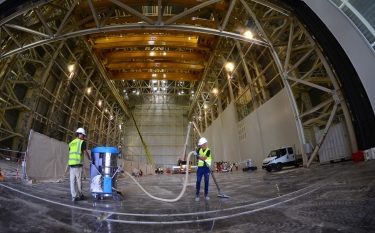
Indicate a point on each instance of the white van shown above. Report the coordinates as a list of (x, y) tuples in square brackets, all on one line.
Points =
[(279, 158)]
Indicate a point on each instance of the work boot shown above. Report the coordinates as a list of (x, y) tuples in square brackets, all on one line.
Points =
[(82, 197), (196, 198), (207, 198), (74, 199)]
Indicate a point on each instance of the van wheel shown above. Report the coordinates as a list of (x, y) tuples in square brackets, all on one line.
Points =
[(278, 167)]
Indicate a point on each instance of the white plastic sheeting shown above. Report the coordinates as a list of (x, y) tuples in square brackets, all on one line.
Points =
[(96, 184), (47, 158)]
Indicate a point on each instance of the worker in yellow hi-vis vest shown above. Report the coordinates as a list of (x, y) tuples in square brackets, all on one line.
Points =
[(77, 149), (204, 158)]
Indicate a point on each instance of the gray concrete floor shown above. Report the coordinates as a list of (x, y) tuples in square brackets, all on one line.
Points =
[(337, 197)]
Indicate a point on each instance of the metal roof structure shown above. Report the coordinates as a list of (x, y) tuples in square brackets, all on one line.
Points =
[(66, 63)]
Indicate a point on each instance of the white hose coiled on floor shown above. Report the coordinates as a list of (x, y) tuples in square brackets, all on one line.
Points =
[(163, 199)]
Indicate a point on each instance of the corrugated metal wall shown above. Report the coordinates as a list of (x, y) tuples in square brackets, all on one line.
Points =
[(336, 144)]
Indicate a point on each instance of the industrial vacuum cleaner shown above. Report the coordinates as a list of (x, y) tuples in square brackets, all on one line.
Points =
[(104, 173)]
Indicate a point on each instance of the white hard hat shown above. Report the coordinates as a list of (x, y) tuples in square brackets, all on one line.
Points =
[(202, 141), (81, 131)]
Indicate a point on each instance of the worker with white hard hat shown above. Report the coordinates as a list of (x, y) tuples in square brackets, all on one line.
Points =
[(204, 158), (77, 149)]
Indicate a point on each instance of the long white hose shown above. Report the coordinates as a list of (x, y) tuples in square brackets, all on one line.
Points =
[(163, 199)]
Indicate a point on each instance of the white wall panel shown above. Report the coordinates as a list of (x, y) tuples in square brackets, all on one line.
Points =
[(213, 135), (222, 136), (271, 126), (277, 123), (251, 143), (230, 134)]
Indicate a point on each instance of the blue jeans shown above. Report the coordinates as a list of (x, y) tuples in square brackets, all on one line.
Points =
[(202, 171)]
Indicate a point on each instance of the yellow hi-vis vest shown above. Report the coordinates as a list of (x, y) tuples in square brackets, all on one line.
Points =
[(75, 152), (203, 154)]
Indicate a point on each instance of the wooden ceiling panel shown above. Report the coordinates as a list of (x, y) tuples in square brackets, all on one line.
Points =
[(133, 19), (118, 56), (154, 76), (171, 55), (154, 65)]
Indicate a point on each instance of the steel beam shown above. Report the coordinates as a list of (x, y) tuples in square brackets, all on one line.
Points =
[(189, 11), (322, 137)]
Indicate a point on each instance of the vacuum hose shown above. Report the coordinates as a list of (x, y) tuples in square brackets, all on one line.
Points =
[(163, 199)]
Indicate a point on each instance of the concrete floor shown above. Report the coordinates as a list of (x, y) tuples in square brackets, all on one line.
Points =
[(336, 197)]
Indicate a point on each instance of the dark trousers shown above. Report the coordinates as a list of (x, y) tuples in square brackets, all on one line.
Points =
[(202, 171)]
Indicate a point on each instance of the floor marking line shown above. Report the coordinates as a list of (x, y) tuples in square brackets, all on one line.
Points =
[(163, 215)]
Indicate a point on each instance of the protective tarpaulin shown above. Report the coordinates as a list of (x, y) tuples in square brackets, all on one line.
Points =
[(47, 158)]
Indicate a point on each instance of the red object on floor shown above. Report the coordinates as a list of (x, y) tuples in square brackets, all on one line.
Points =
[(358, 156)]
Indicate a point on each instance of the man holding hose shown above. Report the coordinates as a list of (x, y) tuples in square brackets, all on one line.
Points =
[(204, 158)]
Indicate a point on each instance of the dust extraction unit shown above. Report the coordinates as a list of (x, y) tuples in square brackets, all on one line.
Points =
[(104, 172)]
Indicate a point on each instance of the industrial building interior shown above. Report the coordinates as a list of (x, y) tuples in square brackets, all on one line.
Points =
[(151, 77)]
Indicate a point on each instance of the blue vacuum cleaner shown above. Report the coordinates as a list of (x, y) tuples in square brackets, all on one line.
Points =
[(103, 172)]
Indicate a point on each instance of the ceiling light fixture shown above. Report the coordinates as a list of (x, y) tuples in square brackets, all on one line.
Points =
[(88, 90), (248, 34), (229, 67), (71, 67)]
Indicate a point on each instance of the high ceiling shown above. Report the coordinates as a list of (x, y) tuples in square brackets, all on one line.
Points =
[(165, 43), (58, 56)]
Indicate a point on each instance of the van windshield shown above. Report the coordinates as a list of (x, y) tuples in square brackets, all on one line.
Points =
[(273, 153), (277, 153)]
